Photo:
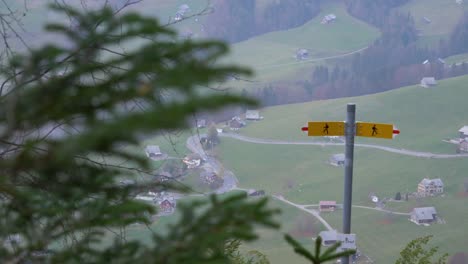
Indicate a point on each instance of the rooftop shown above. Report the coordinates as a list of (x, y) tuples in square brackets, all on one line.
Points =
[(424, 213), (464, 130)]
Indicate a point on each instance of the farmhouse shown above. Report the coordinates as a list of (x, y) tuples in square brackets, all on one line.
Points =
[(235, 124), (167, 206), (463, 145), (337, 159), (153, 151), (192, 160), (201, 123), (256, 193), (252, 115), (423, 215), (162, 176), (302, 54), (328, 19), (211, 179), (428, 187), (427, 82), (181, 12), (327, 206), (463, 132), (178, 16), (328, 237)]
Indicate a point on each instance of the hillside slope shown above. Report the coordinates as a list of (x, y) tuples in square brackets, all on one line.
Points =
[(424, 116)]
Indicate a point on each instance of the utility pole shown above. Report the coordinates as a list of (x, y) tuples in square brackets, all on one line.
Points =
[(350, 127)]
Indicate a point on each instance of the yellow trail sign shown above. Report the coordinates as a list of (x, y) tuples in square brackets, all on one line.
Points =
[(325, 128), (376, 130)]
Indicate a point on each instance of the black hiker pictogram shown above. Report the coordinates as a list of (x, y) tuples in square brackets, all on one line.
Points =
[(325, 128), (374, 130)]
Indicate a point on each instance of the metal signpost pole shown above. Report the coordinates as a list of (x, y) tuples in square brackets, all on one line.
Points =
[(348, 175)]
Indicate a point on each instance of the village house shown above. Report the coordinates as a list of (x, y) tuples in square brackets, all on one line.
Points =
[(183, 9), (153, 151), (252, 115), (423, 215), (192, 161), (337, 159), (236, 124), (302, 54), (256, 193), (328, 19), (163, 176), (463, 132), (178, 16), (428, 187), (201, 123), (427, 82), (167, 206), (327, 206), (211, 179), (463, 146), (329, 237)]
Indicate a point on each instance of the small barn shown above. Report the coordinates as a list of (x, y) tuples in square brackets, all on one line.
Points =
[(327, 206), (337, 159), (211, 179), (178, 16), (302, 54), (463, 145), (423, 215), (329, 237), (192, 160), (153, 151), (167, 206), (257, 193), (427, 82), (235, 124), (328, 19), (252, 115), (201, 123), (463, 132), (426, 20)]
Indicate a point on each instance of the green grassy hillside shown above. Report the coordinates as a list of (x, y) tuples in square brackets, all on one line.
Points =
[(424, 116), (457, 58), (302, 175), (443, 15), (271, 54)]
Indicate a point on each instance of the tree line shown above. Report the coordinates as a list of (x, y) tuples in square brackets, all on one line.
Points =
[(393, 60), (238, 20)]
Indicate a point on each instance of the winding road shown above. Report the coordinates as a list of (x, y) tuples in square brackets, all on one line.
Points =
[(384, 148), (267, 66), (230, 180), (303, 208)]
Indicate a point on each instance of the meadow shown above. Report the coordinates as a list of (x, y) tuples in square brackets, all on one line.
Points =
[(425, 117), (443, 16)]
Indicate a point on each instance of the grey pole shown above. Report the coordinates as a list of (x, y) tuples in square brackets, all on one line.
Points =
[(348, 175)]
